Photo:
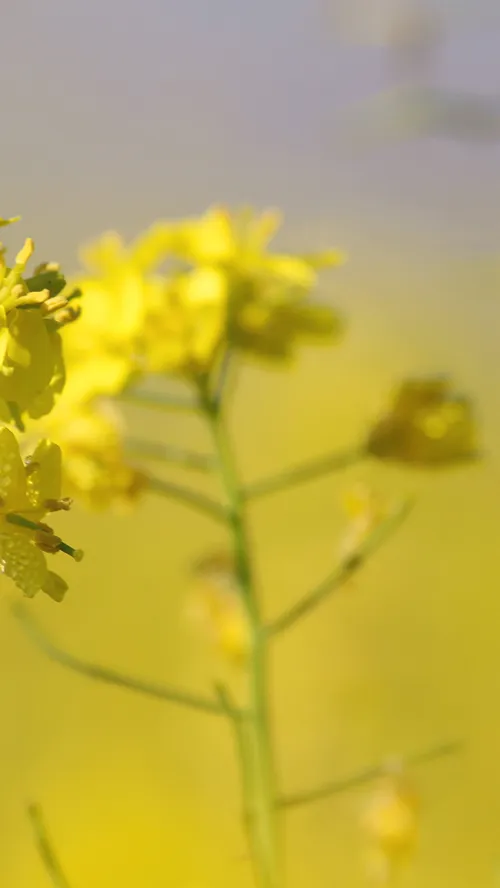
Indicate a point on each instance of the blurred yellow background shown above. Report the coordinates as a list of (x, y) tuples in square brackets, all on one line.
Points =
[(117, 115)]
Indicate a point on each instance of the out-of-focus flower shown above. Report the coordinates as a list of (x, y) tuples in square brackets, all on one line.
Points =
[(95, 469), (365, 511), (32, 311), (218, 606), (428, 424), (221, 287), (28, 492), (117, 290), (390, 821), (186, 322), (263, 296)]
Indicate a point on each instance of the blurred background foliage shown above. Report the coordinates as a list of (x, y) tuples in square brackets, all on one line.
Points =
[(117, 114)]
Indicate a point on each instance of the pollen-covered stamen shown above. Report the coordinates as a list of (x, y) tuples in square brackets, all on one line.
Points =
[(67, 315), (47, 541), (31, 299), (54, 304), (58, 505), (25, 253), (44, 535), (47, 266)]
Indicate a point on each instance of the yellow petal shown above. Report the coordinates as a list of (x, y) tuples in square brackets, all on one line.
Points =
[(22, 562), (12, 473), (54, 586), (44, 480)]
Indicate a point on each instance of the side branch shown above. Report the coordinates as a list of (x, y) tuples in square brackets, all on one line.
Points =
[(302, 473), (45, 848), (110, 676), (196, 501), (157, 400), (176, 456), (366, 776), (342, 573)]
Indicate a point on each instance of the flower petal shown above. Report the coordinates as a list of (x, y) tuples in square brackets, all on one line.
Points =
[(22, 562), (12, 473)]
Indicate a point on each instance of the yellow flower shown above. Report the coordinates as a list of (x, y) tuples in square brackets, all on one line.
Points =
[(267, 307), (218, 606), (428, 424), (391, 824), (95, 470), (32, 311), (186, 323), (116, 292), (366, 511), (28, 492)]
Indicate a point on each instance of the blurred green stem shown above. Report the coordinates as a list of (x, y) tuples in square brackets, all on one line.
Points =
[(342, 573), (45, 848), (259, 782), (167, 453), (367, 775), (192, 498), (302, 473), (111, 676), (158, 400)]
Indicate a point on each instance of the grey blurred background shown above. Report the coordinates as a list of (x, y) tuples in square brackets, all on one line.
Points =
[(116, 113)]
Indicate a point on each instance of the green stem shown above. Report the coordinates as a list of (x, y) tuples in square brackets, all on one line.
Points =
[(110, 676), (157, 400), (302, 473), (176, 456), (342, 573), (196, 501), (260, 782), (45, 848), (367, 775)]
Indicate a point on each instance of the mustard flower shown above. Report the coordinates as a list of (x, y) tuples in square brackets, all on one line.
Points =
[(218, 606), (32, 312), (365, 511), (186, 323), (30, 490), (266, 293), (94, 467), (391, 824), (428, 424), (116, 292)]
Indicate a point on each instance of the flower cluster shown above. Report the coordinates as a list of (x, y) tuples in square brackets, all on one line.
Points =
[(29, 491), (185, 291), (172, 304), (33, 311)]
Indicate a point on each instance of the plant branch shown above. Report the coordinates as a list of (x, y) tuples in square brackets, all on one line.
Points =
[(342, 573), (259, 782), (157, 400), (192, 498), (302, 473), (366, 776), (110, 676), (222, 379), (186, 459), (45, 848)]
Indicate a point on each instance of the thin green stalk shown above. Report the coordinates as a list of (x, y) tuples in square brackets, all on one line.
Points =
[(45, 848), (261, 780), (167, 453), (341, 573), (158, 400), (192, 498), (240, 729), (110, 676), (302, 473), (367, 775)]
